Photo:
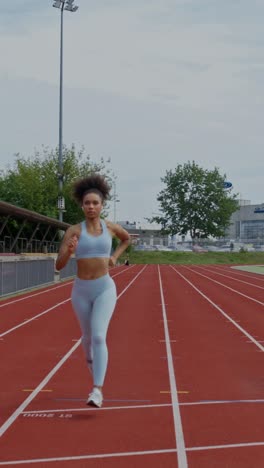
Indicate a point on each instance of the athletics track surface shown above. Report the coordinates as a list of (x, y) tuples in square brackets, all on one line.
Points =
[(184, 387)]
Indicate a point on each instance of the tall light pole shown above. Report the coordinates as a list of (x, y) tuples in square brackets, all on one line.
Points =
[(116, 200), (69, 6)]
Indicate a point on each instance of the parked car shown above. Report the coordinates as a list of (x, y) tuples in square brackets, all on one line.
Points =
[(183, 248), (162, 248), (223, 248), (199, 249)]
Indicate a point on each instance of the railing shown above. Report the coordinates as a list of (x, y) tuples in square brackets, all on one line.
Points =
[(19, 275), (23, 245)]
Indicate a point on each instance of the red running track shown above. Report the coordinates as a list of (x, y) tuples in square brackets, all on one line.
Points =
[(184, 386)]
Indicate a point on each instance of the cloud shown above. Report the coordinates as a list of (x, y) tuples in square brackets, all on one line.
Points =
[(150, 83), (127, 49), (18, 9)]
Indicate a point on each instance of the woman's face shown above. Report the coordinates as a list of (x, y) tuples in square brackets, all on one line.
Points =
[(92, 205)]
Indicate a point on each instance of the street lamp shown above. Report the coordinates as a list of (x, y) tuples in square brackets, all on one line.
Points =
[(69, 6), (115, 199)]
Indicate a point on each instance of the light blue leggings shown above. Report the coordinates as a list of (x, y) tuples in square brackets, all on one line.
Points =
[(94, 302)]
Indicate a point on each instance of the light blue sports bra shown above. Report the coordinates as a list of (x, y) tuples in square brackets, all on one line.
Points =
[(90, 246)]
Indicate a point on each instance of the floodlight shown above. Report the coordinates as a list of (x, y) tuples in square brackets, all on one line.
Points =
[(57, 3), (70, 7)]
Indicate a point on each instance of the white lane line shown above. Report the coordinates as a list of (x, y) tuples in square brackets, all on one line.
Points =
[(42, 384), (104, 408), (33, 318), (221, 402), (130, 454), (123, 271), (42, 313), (31, 397), (131, 282), (249, 274), (181, 450), (224, 286), (35, 294), (227, 446), (236, 273), (221, 311), (89, 457), (230, 277), (162, 405)]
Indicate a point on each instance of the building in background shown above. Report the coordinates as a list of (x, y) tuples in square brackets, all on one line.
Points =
[(247, 224), (246, 227), (144, 235)]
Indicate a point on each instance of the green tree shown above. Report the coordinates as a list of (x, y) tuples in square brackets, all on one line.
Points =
[(32, 182), (194, 201)]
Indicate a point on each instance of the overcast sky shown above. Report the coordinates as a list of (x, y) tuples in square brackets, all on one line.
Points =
[(148, 83)]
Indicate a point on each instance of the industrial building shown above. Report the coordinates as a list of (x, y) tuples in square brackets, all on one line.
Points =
[(246, 227), (247, 224)]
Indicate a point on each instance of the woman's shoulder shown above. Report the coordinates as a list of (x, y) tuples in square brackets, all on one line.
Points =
[(116, 229), (74, 229), (109, 225)]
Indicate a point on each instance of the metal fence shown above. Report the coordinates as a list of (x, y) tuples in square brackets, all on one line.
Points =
[(19, 275), (23, 245)]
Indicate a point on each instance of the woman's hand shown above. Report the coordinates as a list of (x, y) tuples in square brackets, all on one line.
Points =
[(68, 247), (112, 261), (72, 244)]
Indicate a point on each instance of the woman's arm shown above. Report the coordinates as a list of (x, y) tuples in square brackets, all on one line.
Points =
[(67, 248), (123, 236)]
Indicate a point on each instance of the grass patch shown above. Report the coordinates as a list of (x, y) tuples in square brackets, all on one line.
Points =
[(193, 258)]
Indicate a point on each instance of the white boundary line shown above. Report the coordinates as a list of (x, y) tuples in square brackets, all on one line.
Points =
[(33, 318), (130, 454), (89, 457), (230, 277), (181, 450), (233, 271), (31, 397), (224, 286), (161, 405), (42, 384), (35, 294), (122, 271), (44, 312), (104, 408), (227, 446), (221, 311)]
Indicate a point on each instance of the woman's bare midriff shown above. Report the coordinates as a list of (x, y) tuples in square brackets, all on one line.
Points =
[(92, 268)]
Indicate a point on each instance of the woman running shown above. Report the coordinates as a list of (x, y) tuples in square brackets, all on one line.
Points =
[(94, 291)]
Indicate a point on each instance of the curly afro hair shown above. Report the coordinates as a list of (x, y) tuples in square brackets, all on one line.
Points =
[(95, 183)]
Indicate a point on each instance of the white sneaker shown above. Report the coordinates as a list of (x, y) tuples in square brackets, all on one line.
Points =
[(95, 398)]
